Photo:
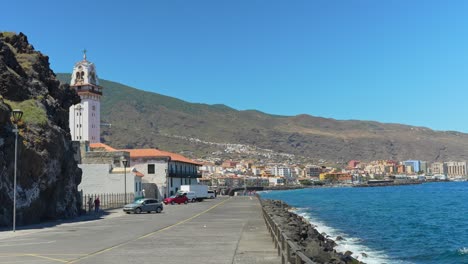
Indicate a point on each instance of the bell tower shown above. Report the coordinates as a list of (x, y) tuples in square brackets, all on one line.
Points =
[(85, 117)]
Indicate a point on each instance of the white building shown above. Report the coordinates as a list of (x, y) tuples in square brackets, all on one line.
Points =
[(104, 171), (456, 169), (104, 179), (164, 171), (276, 181), (281, 171), (85, 117)]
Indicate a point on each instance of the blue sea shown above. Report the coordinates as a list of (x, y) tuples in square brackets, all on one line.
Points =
[(425, 223)]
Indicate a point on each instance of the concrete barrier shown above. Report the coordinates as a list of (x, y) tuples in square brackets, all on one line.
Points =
[(288, 251)]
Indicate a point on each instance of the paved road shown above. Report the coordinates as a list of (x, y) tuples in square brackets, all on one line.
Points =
[(223, 230)]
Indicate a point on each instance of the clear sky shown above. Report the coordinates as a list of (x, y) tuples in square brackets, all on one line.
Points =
[(388, 61)]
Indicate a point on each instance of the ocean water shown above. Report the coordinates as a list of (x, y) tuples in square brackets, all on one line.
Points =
[(425, 223)]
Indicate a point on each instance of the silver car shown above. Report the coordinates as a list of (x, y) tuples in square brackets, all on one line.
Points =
[(144, 205)]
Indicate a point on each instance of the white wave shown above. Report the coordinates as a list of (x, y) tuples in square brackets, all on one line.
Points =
[(463, 250), (348, 243)]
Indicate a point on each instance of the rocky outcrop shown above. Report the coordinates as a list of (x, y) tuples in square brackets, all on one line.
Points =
[(318, 247), (47, 174)]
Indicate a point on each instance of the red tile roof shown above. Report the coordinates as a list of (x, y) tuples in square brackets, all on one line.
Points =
[(146, 153), (101, 145)]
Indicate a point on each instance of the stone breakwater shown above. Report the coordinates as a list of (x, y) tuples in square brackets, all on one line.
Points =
[(314, 245)]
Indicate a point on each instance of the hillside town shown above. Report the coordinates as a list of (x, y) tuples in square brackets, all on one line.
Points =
[(239, 173)]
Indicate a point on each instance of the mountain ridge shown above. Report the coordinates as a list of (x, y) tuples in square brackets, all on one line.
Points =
[(146, 119)]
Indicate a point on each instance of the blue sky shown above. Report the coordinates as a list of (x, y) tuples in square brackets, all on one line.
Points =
[(387, 61)]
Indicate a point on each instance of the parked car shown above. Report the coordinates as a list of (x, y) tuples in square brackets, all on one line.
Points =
[(176, 199), (192, 197), (144, 205), (211, 195)]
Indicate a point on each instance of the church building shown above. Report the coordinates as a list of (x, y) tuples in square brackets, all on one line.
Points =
[(85, 117)]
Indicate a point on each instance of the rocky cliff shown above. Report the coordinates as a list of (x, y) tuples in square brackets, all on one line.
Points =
[(47, 175)]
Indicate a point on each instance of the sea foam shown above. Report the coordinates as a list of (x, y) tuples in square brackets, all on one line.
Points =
[(463, 251), (348, 243)]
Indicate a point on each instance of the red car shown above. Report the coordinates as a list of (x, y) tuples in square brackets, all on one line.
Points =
[(176, 199)]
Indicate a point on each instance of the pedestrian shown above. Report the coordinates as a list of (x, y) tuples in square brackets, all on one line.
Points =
[(90, 205), (97, 202)]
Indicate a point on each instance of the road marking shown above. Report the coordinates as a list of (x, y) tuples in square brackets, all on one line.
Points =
[(147, 235), (32, 243), (48, 258), (12, 240), (41, 256)]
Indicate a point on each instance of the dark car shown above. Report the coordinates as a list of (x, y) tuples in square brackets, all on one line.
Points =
[(177, 199), (144, 205)]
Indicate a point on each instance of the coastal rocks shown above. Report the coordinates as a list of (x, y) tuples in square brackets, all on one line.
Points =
[(47, 174), (318, 247)]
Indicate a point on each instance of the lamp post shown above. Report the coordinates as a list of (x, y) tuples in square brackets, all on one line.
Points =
[(125, 163), (17, 114)]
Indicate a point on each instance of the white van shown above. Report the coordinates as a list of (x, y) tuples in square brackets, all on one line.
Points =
[(211, 194), (192, 197)]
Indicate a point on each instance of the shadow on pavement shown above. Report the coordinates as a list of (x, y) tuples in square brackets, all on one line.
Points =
[(86, 217)]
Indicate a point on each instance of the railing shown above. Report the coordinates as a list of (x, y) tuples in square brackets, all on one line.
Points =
[(184, 175), (107, 200), (287, 250)]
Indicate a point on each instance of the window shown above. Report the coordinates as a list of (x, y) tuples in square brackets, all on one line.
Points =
[(150, 168)]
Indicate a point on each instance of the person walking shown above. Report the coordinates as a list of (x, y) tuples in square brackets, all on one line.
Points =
[(90, 205), (97, 203)]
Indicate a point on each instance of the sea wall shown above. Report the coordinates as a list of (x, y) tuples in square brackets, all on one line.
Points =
[(297, 240)]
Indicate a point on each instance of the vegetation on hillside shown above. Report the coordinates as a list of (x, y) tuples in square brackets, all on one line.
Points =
[(32, 112)]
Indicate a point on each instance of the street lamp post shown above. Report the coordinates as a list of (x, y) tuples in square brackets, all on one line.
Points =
[(17, 114), (245, 185), (125, 163)]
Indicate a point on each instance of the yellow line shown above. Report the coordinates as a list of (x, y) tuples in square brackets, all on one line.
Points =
[(64, 254), (28, 254), (44, 257), (147, 235)]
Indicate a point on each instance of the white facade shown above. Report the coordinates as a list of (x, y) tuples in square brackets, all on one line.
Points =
[(85, 117), (275, 181), (102, 179), (158, 176), (167, 175), (456, 169), (281, 171)]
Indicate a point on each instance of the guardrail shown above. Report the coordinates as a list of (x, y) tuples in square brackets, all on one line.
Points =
[(287, 249)]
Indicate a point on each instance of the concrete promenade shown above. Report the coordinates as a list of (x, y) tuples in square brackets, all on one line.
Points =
[(223, 230)]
